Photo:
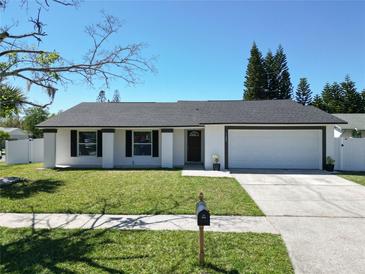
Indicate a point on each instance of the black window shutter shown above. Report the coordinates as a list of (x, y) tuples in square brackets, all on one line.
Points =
[(73, 143), (128, 143), (155, 143), (100, 144)]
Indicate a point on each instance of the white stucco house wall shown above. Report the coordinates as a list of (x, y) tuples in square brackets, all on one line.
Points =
[(277, 134)]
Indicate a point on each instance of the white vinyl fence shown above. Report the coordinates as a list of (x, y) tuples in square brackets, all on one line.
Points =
[(24, 151), (350, 154)]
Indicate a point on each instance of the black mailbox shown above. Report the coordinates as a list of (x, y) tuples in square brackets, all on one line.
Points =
[(202, 214)]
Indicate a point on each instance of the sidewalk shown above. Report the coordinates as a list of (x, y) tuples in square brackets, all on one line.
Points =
[(138, 222)]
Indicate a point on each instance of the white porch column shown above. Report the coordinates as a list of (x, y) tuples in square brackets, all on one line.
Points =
[(330, 141), (167, 147), (49, 143), (214, 144), (108, 148)]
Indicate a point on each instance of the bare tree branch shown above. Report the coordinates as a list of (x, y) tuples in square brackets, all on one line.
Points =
[(22, 51), (44, 3), (47, 69), (37, 105)]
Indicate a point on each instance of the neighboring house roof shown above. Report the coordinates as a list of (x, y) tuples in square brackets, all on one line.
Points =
[(13, 131), (189, 113), (354, 120)]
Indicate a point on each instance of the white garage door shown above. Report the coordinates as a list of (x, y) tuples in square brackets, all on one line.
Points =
[(276, 149)]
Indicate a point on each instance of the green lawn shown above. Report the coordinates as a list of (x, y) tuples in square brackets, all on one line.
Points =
[(119, 192), (357, 177), (116, 251)]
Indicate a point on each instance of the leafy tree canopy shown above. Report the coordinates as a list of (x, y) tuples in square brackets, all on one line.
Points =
[(34, 116), (3, 136)]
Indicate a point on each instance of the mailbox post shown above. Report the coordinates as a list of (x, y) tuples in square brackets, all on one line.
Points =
[(203, 219)]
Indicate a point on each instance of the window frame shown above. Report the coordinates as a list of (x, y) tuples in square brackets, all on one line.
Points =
[(150, 143), (78, 143)]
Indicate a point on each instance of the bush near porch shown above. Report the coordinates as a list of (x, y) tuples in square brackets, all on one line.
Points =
[(115, 251), (119, 192)]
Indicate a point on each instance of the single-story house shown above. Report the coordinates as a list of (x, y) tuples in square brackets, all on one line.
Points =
[(15, 133), (355, 127), (277, 134)]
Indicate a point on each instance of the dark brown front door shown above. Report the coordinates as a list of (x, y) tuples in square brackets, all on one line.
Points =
[(194, 146)]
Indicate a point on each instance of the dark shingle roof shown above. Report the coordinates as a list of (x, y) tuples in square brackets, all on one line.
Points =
[(190, 113)]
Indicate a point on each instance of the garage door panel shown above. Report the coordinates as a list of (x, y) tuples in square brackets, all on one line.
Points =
[(285, 149)]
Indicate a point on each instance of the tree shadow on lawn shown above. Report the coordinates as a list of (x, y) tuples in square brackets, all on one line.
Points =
[(69, 251), (42, 251), (159, 207), (220, 270), (63, 251), (23, 190)]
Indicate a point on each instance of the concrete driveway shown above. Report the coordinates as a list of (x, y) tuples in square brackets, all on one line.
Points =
[(321, 217)]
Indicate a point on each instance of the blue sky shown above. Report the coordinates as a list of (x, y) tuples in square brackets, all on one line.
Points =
[(202, 47)]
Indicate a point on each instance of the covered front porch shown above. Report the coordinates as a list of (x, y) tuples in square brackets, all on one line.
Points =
[(124, 147)]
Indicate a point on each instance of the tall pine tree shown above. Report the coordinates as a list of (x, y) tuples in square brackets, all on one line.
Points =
[(353, 102), (101, 97), (333, 98), (341, 98), (303, 93), (272, 84), (318, 102), (116, 96), (255, 80), (283, 76)]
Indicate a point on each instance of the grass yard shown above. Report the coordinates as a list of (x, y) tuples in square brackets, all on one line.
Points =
[(116, 251), (357, 177), (119, 192)]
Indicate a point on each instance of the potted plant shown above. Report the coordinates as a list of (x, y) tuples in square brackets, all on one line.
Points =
[(216, 164), (330, 163)]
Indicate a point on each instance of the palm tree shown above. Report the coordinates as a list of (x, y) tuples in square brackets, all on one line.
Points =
[(12, 100)]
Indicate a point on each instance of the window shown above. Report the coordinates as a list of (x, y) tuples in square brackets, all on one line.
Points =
[(87, 143), (194, 133), (142, 143)]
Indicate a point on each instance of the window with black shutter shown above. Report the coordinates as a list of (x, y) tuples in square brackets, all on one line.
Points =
[(128, 143), (73, 143), (155, 144)]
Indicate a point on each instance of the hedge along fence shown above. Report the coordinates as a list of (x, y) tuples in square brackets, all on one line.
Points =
[(24, 151)]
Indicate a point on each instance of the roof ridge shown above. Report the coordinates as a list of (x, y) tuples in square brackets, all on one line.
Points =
[(190, 101)]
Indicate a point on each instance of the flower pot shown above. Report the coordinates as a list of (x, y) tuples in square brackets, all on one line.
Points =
[(216, 166), (330, 167)]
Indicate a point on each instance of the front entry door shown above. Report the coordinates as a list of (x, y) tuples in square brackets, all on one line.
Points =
[(194, 146)]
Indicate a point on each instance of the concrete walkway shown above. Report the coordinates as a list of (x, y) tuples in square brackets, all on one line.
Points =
[(148, 222), (321, 217), (205, 173)]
